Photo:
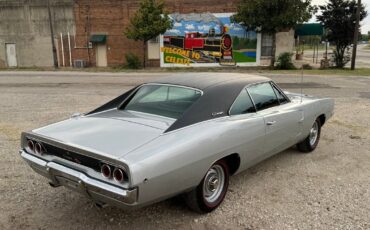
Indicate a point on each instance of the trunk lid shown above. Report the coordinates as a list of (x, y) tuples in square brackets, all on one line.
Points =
[(113, 133)]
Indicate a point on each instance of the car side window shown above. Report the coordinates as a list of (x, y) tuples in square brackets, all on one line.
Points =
[(242, 104), (281, 97), (263, 96)]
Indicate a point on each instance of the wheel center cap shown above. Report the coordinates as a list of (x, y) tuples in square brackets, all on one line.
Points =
[(213, 184)]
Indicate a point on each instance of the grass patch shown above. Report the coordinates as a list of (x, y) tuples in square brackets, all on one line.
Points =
[(232, 69), (239, 57), (341, 72)]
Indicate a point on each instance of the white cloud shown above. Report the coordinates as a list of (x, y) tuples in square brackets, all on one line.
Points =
[(173, 31), (236, 28), (204, 27), (189, 27), (177, 24)]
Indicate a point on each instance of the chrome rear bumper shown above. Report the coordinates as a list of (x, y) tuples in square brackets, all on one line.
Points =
[(100, 192)]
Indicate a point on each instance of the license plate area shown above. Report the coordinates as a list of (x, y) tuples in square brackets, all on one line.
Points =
[(68, 182)]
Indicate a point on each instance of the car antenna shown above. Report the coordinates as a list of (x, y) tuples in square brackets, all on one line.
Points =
[(301, 83)]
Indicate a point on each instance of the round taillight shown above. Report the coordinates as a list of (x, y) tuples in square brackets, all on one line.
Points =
[(106, 171), (31, 146), (119, 175), (39, 149)]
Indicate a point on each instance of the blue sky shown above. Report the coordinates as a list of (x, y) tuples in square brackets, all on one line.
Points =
[(365, 25), (182, 27), (235, 29)]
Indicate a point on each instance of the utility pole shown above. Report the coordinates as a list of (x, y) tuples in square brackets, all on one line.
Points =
[(355, 37), (55, 60)]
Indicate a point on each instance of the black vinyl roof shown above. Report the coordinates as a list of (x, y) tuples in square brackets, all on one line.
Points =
[(219, 92)]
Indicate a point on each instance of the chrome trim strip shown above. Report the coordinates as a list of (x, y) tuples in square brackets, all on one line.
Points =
[(281, 91), (179, 86)]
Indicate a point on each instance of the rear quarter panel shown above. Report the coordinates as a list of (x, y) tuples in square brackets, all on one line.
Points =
[(313, 108), (177, 161)]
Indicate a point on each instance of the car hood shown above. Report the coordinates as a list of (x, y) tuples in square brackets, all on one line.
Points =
[(112, 135)]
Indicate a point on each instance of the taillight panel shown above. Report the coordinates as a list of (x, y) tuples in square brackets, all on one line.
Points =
[(108, 171)]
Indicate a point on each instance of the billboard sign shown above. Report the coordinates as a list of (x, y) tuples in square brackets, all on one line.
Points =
[(208, 40)]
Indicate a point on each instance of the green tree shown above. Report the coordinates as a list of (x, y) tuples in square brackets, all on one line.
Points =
[(338, 18), (273, 16), (236, 43), (364, 37), (148, 22)]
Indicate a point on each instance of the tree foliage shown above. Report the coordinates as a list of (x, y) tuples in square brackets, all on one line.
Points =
[(339, 18), (148, 22), (272, 16)]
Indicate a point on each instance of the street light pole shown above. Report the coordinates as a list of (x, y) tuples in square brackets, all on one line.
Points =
[(55, 60), (355, 37)]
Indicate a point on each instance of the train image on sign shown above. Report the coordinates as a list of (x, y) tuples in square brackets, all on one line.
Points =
[(210, 45)]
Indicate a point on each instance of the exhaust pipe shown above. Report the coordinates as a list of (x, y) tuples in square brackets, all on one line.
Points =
[(100, 205), (54, 185)]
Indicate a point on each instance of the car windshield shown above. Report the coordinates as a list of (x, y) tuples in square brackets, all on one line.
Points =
[(162, 100)]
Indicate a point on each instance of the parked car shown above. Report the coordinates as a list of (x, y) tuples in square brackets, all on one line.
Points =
[(178, 135)]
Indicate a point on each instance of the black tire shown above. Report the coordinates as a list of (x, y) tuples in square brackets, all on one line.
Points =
[(196, 199), (307, 146)]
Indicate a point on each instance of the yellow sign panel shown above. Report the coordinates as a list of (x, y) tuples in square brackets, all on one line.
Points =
[(179, 56)]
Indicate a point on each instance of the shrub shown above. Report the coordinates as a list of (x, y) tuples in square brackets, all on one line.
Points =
[(341, 58), (284, 61), (132, 61)]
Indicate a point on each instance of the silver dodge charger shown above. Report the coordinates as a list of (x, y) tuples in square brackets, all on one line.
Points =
[(178, 135)]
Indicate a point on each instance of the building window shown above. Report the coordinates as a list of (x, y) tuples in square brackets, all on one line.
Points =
[(266, 49)]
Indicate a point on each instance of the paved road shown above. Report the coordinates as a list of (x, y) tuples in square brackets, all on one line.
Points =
[(328, 189)]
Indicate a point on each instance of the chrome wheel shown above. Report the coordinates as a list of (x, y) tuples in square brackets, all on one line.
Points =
[(314, 132), (213, 184)]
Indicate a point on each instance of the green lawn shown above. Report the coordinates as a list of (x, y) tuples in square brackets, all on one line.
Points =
[(239, 57), (341, 72), (252, 70)]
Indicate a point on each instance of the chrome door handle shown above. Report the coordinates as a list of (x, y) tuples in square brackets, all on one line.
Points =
[(271, 123)]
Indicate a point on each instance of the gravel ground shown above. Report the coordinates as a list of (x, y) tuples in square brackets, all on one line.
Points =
[(329, 189)]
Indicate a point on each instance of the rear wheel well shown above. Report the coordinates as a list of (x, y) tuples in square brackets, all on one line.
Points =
[(322, 119), (233, 161)]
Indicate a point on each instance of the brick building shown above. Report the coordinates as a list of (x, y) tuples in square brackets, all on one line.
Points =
[(99, 38), (90, 32)]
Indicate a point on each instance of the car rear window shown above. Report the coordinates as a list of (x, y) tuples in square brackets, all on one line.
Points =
[(162, 100)]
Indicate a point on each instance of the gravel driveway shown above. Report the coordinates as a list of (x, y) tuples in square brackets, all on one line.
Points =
[(328, 189)]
